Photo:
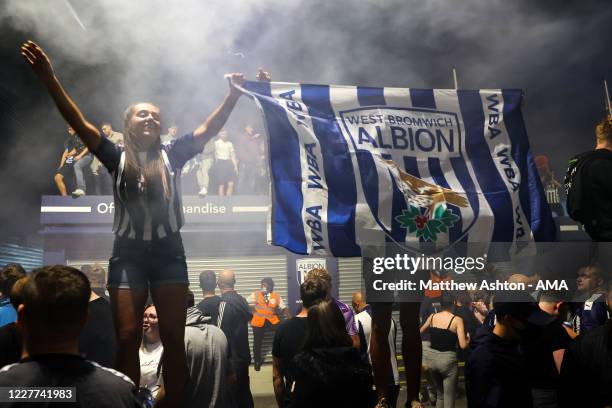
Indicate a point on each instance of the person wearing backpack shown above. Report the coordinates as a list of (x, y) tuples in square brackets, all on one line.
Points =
[(589, 185)]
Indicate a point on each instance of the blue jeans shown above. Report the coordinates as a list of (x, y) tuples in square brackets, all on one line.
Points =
[(79, 166)]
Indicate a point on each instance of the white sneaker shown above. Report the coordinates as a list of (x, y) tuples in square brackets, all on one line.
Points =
[(78, 193), (203, 192)]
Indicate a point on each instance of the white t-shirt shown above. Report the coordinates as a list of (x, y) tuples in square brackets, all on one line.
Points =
[(223, 149), (150, 357), (363, 320)]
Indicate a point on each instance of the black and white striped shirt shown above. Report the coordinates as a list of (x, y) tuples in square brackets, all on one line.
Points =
[(146, 216)]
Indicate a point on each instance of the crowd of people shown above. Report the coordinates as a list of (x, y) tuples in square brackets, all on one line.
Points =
[(531, 351), (172, 354), (226, 166)]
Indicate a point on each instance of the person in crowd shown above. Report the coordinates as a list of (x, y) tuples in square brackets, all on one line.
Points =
[(251, 156), (429, 306), (102, 178), (190, 167), (52, 311), (480, 306), (267, 305), (412, 351), (363, 318), (170, 135), (207, 361), (97, 279), (203, 174), (10, 339), (148, 248), (590, 187), (349, 316), (151, 351), (234, 317), (289, 339), (586, 378), (544, 353), (330, 372), (81, 160), (66, 166), (209, 305), (446, 330), (97, 341), (110, 134), (10, 344), (225, 167), (591, 309), (496, 371), (10, 274), (552, 187), (462, 309)]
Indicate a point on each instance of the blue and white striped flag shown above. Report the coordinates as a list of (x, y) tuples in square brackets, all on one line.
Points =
[(353, 167)]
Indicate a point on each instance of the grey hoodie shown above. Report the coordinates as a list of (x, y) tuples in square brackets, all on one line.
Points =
[(207, 360)]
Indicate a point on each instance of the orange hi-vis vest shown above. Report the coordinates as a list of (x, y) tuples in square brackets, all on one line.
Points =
[(265, 310)]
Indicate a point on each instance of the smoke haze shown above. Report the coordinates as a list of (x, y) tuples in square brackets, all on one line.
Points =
[(111, 53)]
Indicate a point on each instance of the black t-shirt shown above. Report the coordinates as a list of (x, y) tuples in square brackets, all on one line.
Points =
[(288, 341), (97, 341), (10, 345), (539, 359), (96, 386), (210, 307), (74, 142)]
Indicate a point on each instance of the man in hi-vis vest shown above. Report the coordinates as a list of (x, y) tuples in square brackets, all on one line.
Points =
[(267, 306)]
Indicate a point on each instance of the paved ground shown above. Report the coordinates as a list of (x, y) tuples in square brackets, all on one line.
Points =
[(263, 393)]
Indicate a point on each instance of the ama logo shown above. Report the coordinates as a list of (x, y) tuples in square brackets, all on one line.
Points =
[(414, 175)]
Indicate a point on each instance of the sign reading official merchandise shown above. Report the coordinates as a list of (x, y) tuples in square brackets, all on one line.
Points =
[(100, 210)]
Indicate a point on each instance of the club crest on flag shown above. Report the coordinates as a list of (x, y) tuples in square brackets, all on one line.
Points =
[(389, 143)]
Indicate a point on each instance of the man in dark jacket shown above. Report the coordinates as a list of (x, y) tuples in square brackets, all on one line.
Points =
[(496, 374), (234, 317)]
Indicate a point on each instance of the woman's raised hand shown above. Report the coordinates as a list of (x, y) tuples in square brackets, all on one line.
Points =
[(36, 58), (235, 81)]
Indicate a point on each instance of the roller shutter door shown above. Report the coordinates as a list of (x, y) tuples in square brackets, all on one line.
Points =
[(249, 271)]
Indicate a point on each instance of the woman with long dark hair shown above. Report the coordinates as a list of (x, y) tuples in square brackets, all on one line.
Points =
[(148, 250), (330, 372)]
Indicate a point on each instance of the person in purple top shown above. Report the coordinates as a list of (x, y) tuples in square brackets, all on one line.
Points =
[(347, 313), (148, 249)]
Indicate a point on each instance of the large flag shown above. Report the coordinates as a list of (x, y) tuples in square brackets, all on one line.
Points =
[(353, 167)]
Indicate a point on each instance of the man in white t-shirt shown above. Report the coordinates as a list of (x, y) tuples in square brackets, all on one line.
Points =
[(226, 166), (363, 319)]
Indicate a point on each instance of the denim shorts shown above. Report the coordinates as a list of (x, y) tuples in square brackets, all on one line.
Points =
[(136, 264)]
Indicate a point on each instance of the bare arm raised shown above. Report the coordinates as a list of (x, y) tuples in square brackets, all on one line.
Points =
[(40, 63), (214, 123)]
